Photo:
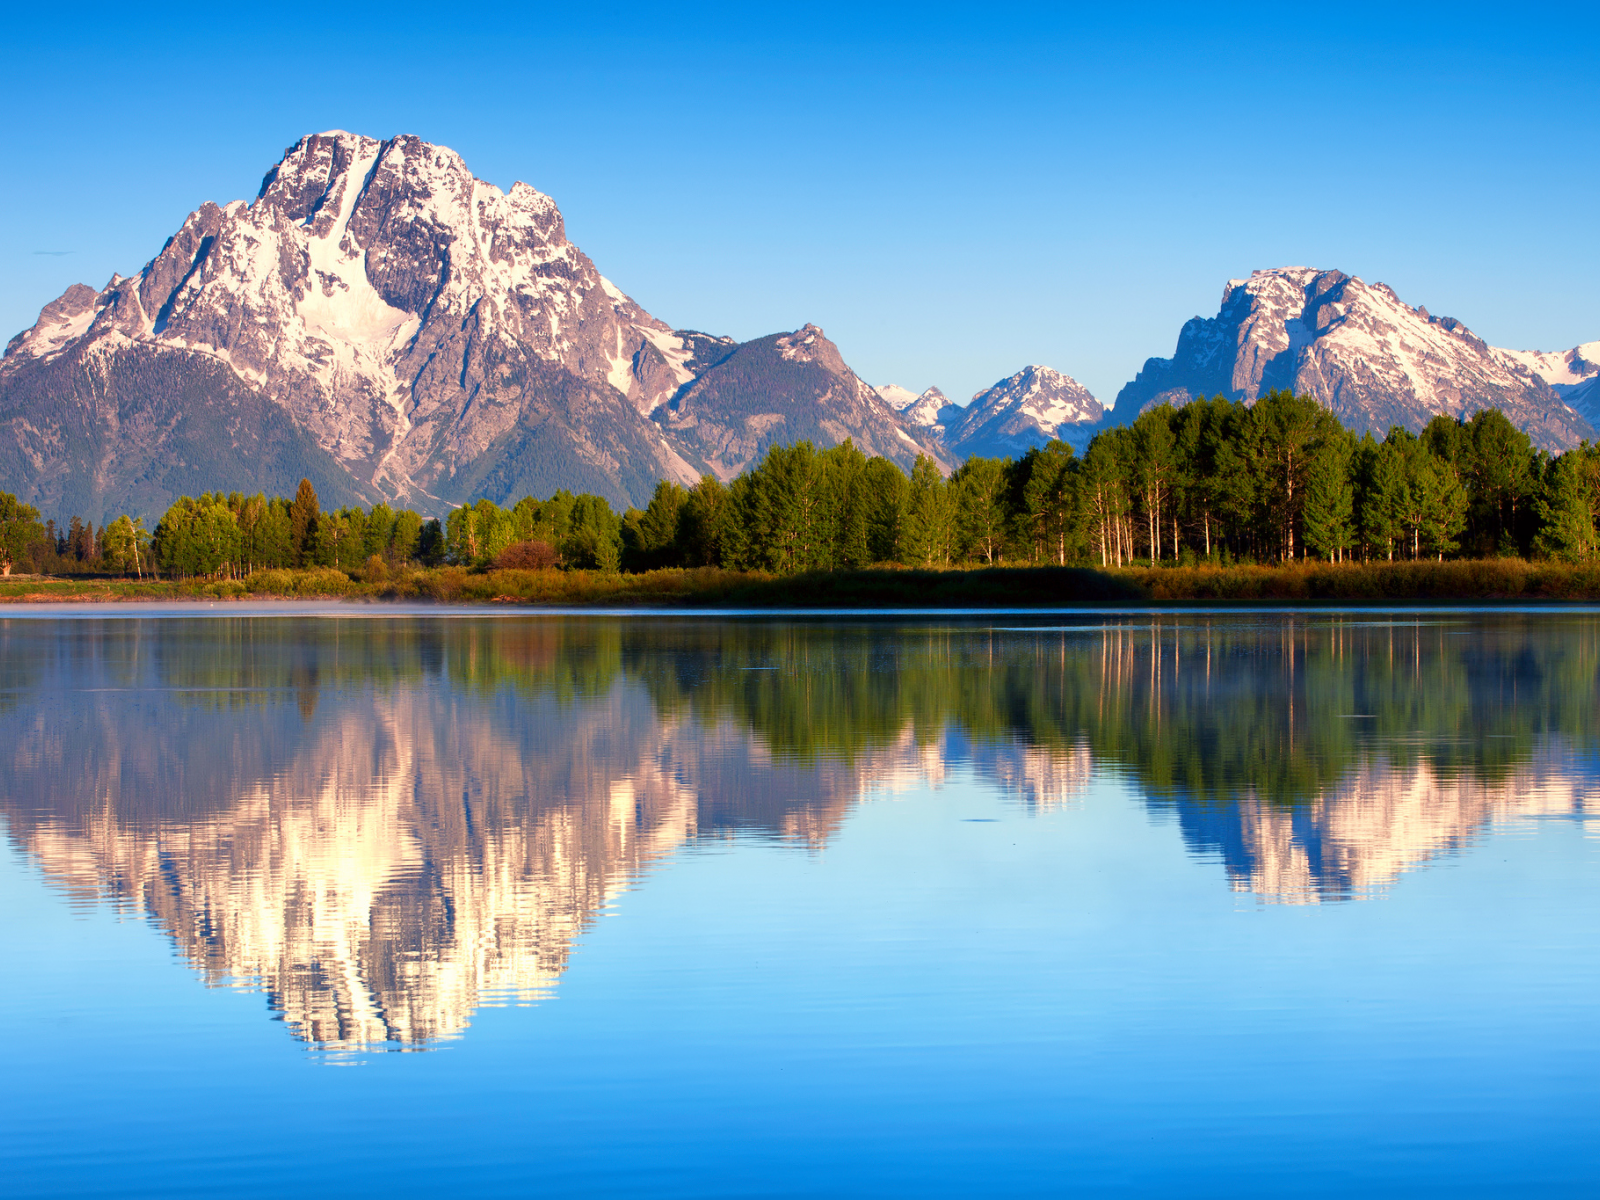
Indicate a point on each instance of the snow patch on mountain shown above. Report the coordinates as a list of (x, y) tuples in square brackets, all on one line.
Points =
[(897, 397), (1358, 349), (933, 410), (381, 293), (1030, 408), (1563, 370)]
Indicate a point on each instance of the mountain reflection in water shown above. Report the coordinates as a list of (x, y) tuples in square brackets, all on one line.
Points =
[(386, 824)]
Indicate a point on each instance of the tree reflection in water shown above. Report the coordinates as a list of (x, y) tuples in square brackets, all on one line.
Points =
[(388, 823)]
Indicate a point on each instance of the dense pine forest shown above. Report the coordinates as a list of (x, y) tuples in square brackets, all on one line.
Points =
[(1214, 481)]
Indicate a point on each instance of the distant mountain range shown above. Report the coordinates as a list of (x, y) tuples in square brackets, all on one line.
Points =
[(1005, 420), (391, 327)]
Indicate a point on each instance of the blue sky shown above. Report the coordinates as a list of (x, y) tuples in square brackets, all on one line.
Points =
[(951, 192)]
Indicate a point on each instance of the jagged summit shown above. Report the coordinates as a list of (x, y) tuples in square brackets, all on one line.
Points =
[(896, 397), (929, 411), (1027, 409), (932, 410), (1574, 375), (1357, 348), (428, 337)]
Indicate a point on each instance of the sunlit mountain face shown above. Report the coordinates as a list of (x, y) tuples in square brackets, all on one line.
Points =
[(386, 824)]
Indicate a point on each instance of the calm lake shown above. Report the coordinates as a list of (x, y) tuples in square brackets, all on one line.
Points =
[(1144, 903)]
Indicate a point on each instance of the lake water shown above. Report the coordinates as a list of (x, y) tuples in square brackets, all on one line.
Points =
[(1105, 904)]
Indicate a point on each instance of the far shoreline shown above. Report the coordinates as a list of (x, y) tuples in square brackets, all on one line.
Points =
[(1497, 583)]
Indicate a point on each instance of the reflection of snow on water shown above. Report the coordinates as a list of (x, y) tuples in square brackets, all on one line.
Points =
[(387, 850)]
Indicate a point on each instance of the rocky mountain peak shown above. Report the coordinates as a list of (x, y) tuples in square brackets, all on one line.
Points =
[(897, 397), (810, 344), (1358, 348), (1574, 375), (61, 321), (1027, 409), (932, 410), (432, 336), (782, 389)]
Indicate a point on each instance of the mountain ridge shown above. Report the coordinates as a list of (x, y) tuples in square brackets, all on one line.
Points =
[(430, 335), (1359, 350), (390, 326)]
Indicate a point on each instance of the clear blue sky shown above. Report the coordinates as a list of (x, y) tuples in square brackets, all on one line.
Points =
[(952, 192)]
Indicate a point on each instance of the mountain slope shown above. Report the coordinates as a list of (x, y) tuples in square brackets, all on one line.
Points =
[(1358, 349), (781, 389), (429, 336), (1574, 375), (105, 433), (1028, 409)]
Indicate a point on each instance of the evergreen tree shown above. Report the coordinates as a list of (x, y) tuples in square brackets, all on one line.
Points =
[(650, 538), (594, 535), (979, 494), (1329, 513), (1047, 501), (929, 524), (702, 521), (303, 514), (430, 543), (887, 500)]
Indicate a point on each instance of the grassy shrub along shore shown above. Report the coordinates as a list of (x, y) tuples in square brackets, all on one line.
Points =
[(1509, 579)]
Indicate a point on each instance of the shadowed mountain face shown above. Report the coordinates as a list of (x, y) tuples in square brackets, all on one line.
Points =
[(384, 824), (782, 389), (386, 324)]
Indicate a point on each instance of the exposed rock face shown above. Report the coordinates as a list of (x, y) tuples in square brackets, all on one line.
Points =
[(1028, 409), (1358, 349), (431, 337), (780, 389), (1574, 375)]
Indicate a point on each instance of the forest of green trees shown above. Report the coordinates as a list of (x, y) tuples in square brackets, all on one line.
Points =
[(1214, 481), (1217, 481)]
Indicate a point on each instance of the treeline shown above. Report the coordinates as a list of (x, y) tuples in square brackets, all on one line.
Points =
[(235, 534), (1219, 481)]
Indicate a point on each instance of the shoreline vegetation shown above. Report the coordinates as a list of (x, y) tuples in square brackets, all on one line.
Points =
[(1216, 501), (1512, 580)]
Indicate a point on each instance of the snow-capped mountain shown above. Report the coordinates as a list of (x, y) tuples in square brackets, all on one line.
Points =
[(929, 411), (413, 332), (1574, 375), (1028, 409), (896, 397), (1356, 347)]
